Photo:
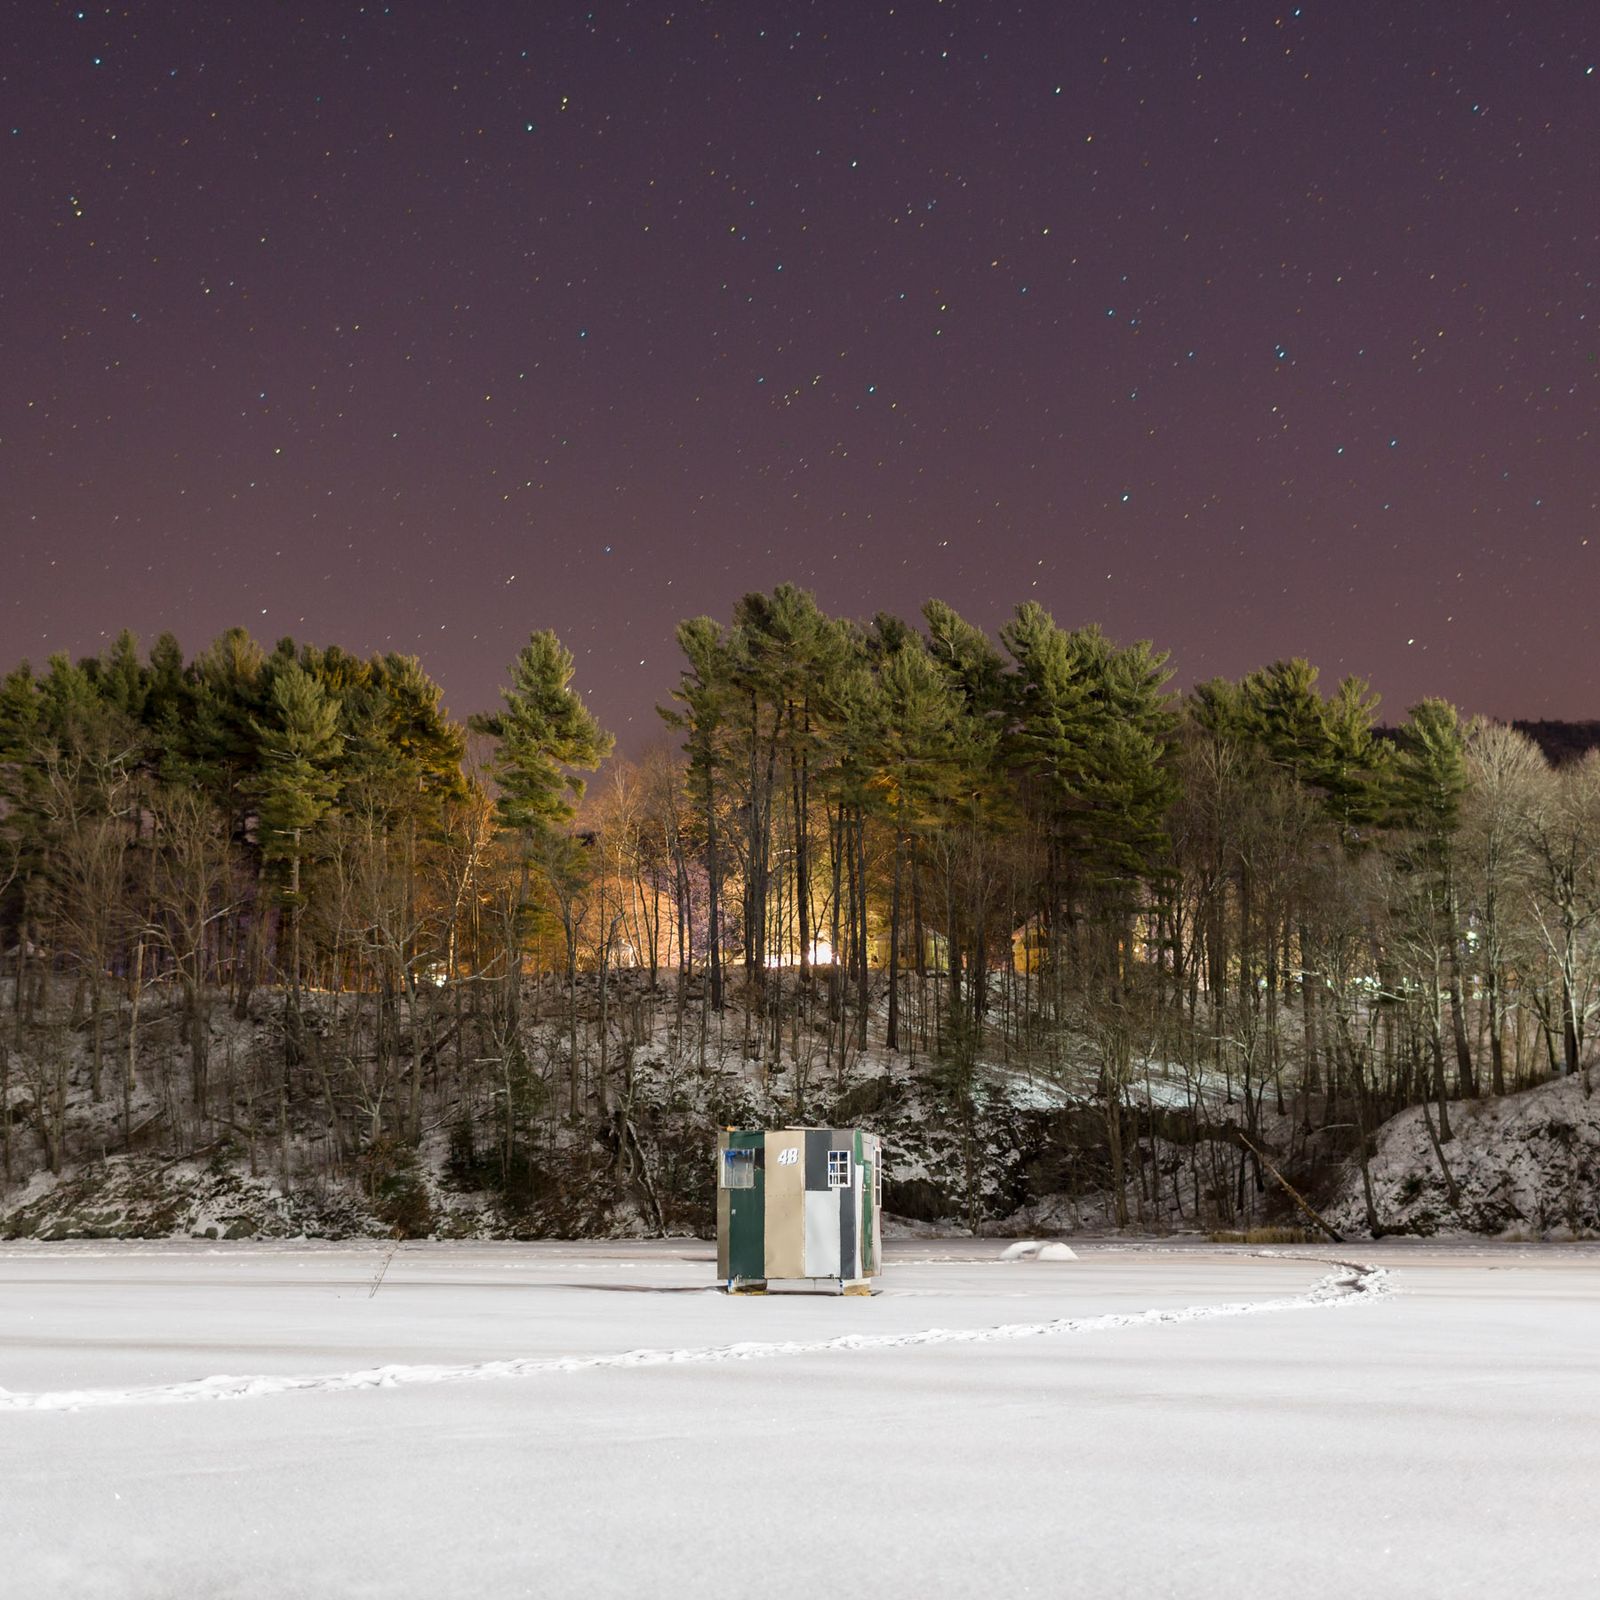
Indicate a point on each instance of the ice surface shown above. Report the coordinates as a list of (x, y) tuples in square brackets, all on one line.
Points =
[(597, 1420)]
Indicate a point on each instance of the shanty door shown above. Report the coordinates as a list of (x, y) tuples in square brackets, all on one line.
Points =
[(740, 1207), (871, 1202), (833, 1204)]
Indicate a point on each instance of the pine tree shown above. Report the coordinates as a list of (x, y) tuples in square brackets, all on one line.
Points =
[(299, 743), (1429, 787), (914, 756), (219, 748), (785, 663), (546, 736), (704, 690)]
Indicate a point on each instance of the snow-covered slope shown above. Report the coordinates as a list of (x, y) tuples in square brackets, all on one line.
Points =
[(1527, 1164)]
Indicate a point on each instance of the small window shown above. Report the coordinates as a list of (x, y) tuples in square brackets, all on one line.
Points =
[(877, 1181), (738, 1169), (838, 1169)]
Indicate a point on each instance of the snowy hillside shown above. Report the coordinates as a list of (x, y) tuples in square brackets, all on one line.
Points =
[(1525, 1164), (1014, 1146)]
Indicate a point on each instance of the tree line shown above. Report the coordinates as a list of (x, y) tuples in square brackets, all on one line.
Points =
[(885, 849)]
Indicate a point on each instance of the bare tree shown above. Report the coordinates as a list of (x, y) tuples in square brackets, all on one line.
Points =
[(193, 890), (1562, 824), (91, 805), (1505, 770)]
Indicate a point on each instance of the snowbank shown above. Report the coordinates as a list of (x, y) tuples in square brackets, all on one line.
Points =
[(1525, 1164)]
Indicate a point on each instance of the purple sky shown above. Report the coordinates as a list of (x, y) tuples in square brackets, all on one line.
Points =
[(1256, 330)]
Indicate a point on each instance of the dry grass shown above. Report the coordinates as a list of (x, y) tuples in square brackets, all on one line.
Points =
[(1262, 1236)]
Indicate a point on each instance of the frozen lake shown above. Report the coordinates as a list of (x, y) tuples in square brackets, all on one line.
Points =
[(202, 1420)]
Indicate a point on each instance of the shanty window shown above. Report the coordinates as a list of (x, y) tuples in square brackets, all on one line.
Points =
[(738, 1169), (838, 1169)]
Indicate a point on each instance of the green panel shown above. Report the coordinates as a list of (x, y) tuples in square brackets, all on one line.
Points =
[(747, 1210), (722, 1210), (869, 1265)]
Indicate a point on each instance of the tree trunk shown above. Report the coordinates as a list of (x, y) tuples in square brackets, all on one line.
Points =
[(892, 1033), (1458, 1018), (130, 1061), (714, 926), (1495, 1001)]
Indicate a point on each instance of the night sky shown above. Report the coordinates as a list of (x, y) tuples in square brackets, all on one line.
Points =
[(1256, 330)]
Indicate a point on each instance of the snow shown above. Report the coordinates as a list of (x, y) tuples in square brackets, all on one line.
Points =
[(1038, 1250), (508, 1419), (1524, 1164)]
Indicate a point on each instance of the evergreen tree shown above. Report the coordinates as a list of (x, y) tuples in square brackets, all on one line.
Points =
[(914, 760), (704, 690), (1429, 787), (220, 748), (546, 736), (299, 743)]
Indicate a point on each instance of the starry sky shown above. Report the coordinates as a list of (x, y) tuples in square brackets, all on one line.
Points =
[(1258, 330)]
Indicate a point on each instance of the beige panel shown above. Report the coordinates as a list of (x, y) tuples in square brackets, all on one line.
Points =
[(785, 1176)]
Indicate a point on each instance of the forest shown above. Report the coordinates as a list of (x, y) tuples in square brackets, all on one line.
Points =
[(274, 903)]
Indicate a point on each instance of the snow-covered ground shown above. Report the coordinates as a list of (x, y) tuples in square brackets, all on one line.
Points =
[(1524, 1164), (502, 1419)]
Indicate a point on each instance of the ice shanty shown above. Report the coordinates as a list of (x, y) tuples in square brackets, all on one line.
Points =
[(799, 1203)]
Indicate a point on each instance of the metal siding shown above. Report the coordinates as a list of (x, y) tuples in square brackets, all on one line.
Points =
[(845, 1139), (849, 1214), (877, 1210), (785, 1210), (791, 1224), (722, 1211), (819, 1141), (822, 1233), (865, 1156), (747, 1216)]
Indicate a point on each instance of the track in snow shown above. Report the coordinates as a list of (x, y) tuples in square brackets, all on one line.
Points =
[(1352, 1284)]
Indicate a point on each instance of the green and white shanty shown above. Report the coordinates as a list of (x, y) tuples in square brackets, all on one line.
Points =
[(799, 1203)]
